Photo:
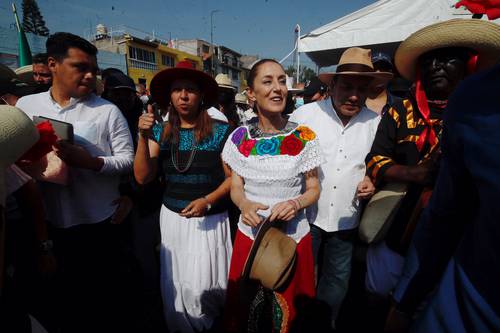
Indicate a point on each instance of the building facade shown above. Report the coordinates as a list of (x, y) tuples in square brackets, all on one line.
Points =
[(144, 57)]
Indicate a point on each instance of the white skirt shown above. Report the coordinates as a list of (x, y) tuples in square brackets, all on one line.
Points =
[(195, 257)]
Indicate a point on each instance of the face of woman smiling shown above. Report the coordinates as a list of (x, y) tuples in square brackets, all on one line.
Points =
[(269, 89)]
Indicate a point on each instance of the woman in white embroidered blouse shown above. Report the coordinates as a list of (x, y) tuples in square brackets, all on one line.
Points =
[(274, 164)]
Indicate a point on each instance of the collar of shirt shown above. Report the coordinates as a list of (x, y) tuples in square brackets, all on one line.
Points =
[(72, 101)]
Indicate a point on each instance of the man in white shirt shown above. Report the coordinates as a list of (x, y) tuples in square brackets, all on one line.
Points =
[(346, 129), (82, 211)]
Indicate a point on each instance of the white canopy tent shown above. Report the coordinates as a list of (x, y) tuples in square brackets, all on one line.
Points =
[(380, 26)]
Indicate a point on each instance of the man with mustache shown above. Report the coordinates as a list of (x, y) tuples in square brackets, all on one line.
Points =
[(346, 129), (407, 145)]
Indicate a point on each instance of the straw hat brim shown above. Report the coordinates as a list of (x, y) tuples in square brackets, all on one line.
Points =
[(161, 82), (378, 77), (25, 73), (481, 36), (226, 86)]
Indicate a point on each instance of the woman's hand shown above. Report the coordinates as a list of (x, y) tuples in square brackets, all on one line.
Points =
[(249, 212), (146, 122), (196, 208), (285, 210)]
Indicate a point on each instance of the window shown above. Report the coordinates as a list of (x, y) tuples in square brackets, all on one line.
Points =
[(140, 58), (235, 63), (234, 75), (141, 54), (205, 48), (167, 60)]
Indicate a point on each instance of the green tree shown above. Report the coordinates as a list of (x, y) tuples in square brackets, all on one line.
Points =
[(306, 73), (32, 19)]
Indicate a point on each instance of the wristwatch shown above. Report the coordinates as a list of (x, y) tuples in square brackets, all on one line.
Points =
[(46, 246)]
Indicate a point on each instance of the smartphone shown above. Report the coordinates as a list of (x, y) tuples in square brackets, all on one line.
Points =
[(62, 129)]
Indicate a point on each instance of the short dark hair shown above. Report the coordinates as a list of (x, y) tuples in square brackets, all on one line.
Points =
[(40, 58), (59, 43)]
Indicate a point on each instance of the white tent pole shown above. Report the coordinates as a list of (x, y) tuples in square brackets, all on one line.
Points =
[(297, 30)]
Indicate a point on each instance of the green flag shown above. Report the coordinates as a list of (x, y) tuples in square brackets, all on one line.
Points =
[(24, 47)]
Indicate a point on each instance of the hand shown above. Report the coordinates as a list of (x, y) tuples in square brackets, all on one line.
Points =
[(125, 205), (249, 212), (77, 156), (397, 322), (196, 208), (366, 189), (285, 211), (47, 264), (146, 122)]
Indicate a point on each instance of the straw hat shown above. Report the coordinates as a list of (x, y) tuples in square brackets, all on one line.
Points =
[(161, 82), (25, 73), (356, 61), (481, 36), (241, 98), (10, 83), (271, 258), (223, 81), (17, 135)]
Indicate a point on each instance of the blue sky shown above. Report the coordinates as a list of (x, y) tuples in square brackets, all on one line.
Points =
[(261, 27)]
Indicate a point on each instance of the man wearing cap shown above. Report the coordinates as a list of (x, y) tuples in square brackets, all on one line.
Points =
[(315, 90), (345, 128), (407, 145), (381, 99), (82, 211)]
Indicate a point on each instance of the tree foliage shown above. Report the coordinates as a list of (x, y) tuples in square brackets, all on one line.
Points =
[(32, 19), (306, 73)]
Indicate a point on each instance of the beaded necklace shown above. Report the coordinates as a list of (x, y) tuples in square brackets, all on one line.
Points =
[(175, 156)]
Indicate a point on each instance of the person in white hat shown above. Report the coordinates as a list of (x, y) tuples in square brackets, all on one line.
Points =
[(345, 128), (407, 146)]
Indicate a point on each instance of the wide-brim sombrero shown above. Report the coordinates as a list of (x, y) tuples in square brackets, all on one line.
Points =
[(356, 61), (161, 82), (271, 258), (478, 35)]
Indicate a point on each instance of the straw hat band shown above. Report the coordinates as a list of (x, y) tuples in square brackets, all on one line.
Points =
[(362, 68)]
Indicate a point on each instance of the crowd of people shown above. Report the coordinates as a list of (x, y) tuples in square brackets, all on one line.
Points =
[(362, 200)]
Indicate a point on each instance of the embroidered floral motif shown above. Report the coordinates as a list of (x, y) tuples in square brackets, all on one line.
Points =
[(306, 133), (246, 146), (291, 145), (268, 146), (238, 135)]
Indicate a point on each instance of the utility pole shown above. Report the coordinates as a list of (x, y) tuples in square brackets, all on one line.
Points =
[(212, 39)]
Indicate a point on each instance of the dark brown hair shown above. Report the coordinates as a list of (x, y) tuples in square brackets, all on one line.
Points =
[(253, 72), (202, 128)]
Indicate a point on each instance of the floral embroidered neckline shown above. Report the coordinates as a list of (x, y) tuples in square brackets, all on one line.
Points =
[(281, 144)]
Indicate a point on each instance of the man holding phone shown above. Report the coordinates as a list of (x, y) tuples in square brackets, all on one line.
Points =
[(82, 212)]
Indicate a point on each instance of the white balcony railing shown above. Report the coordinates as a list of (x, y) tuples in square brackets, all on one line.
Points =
[(142, 64)]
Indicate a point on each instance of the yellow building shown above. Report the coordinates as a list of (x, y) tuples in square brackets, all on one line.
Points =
[(145, 58)]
